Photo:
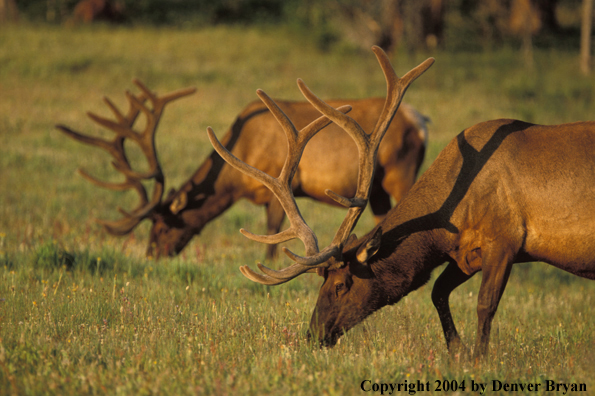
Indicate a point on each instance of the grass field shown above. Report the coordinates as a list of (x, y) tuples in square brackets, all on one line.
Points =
[(82, 312)]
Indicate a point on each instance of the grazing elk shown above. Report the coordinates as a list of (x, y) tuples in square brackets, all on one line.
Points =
[(255, 137), (501, 192)]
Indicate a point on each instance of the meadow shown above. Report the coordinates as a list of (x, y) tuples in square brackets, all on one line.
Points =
[(83, 312)]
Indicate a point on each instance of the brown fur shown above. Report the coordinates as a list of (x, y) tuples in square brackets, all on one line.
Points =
[(257, 139), (502, 192), (88, 11), (8, 11)]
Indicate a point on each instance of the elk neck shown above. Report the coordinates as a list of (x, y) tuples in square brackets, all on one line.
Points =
[(404, 263), (414, 242), (214, 187)]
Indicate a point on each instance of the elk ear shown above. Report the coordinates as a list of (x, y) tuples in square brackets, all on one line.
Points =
[(352, 238), (179, 203), (365, 252)]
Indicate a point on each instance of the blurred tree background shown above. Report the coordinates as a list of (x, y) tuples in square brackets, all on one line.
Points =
[(452, 25)]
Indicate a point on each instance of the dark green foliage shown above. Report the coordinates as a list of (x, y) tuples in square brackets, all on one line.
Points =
[(50, 256), (6, 261), (468, 25), (169, 12)]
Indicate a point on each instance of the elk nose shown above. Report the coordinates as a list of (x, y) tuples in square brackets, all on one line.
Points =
[(151, 250), (315, 340)]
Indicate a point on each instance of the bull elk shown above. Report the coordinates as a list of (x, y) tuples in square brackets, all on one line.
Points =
[(255, 137), (501, 192)]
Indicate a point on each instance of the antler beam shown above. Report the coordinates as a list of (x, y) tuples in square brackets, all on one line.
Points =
[(123, 129)]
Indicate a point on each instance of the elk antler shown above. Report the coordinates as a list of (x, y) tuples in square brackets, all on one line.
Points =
[(123, 128), (281, 187)]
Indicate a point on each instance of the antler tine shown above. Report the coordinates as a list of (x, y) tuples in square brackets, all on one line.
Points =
[(395, 89), (110, 186), (123, 129), (296, 141), (271, 277), (131, 220), (115, 148), (91, 141), (146, 139), (132, 111), (165, 98), (260, 278)]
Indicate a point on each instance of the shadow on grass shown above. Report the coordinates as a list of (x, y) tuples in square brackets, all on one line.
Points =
[(52, 257)]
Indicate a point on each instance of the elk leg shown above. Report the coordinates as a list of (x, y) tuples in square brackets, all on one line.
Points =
[(397, 180), (496, 271), (379, 202), (451, 278), (275, 217)]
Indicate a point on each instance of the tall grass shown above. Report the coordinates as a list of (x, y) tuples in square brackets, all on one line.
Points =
[(82, 312)]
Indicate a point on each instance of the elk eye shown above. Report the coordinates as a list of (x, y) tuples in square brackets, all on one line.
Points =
[(339, 287)]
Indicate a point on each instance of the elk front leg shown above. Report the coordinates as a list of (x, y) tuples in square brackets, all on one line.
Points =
[(496, 270), (275, 217), (379, 197), (451, 278), (379, 203)]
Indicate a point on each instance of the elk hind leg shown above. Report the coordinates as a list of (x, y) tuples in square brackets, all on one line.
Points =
[(275, 217), (379, 203), (397, 180), (451, 278)]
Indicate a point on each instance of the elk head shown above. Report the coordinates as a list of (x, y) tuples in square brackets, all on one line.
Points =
[(145, 139), (170, 231), (349, 292)]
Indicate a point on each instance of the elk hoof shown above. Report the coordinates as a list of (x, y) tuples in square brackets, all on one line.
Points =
[(458, 351)]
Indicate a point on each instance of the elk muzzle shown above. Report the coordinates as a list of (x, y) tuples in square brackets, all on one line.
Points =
[(323, 339), (323, 329), (168, 240)]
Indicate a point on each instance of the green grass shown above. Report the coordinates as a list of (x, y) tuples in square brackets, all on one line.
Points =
[(82, 312)]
